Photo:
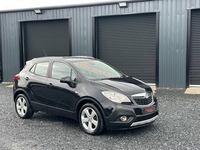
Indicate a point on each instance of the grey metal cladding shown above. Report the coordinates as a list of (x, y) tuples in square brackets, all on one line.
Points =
[(172, 33)]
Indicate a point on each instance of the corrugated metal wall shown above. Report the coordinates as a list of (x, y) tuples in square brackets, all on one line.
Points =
[(172, 34)]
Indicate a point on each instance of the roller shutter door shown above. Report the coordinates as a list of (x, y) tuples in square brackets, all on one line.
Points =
[(1, 69), (43, 38), (195, 48), (128, 42)]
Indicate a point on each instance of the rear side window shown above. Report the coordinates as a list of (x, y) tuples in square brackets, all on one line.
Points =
[(40, 68), (33, 69)]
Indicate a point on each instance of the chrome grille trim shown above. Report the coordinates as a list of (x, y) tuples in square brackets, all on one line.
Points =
[(142, 98)]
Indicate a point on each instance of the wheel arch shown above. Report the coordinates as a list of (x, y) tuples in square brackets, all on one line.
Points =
[(90, 100), (21, 91)]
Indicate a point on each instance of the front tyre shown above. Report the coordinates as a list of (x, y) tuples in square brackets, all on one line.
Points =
[(90, 119), (22, 107)]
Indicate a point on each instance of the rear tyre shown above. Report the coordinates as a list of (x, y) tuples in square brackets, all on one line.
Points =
[(22, 107), (90, 119)]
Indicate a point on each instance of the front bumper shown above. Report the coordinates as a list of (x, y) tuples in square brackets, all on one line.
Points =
[(136, 117)]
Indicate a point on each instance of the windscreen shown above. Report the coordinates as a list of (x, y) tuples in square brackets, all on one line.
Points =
[(97, 70)]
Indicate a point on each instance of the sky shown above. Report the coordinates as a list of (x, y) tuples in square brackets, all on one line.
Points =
[(24, 4)]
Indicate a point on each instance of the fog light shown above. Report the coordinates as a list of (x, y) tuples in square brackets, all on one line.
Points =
[(123, 118)]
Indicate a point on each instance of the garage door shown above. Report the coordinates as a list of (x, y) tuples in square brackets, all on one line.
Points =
[(0, 57), (195, 48), (0, 69), (45, 38), (128, 42)]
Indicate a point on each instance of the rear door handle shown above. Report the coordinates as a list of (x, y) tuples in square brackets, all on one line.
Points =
[(50, 84)]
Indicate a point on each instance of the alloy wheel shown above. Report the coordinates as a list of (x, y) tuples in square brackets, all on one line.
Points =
[(21, 106), (89, 119)]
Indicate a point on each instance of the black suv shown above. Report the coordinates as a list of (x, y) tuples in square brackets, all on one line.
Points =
[(85, 89)]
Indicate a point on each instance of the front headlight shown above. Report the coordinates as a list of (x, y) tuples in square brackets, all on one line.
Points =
[(116, 97)]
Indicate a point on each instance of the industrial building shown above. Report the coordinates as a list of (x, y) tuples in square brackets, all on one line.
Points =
[(157, 41)]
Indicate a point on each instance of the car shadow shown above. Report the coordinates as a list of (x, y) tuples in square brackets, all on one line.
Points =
[(43, 119), (129, 132), (42, 116)]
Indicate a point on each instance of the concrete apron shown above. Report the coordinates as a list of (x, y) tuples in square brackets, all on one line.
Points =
[(190, 90)]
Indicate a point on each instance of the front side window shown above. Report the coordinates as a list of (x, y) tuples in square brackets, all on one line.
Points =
[(73, 76), (60, 70), (40, 68), (96, 70)]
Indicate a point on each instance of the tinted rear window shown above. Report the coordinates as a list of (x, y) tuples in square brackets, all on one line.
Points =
[(40, 68)]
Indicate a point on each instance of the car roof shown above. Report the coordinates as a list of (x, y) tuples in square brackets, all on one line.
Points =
[(65, 58)]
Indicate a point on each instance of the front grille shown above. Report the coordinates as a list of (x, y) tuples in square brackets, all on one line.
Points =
[(143, 101)]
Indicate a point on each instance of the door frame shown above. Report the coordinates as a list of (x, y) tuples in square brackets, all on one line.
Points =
[(1, 65), (188, 47)]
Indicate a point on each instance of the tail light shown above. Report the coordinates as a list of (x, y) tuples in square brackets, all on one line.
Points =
[(16, 77)]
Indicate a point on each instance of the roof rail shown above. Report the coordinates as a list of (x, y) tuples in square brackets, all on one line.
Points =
[(90, 57)]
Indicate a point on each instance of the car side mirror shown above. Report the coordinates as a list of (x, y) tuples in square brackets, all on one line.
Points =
[(69, 81)]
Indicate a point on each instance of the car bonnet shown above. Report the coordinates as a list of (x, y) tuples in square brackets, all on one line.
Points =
[(125, 85)]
